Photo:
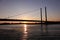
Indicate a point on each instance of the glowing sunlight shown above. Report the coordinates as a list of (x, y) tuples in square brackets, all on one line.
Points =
[(25, 32)]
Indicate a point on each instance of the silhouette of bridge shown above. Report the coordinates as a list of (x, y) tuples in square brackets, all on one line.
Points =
[(20, 20), (40, 21)]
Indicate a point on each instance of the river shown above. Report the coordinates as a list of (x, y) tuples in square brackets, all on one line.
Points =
[(32, 32)]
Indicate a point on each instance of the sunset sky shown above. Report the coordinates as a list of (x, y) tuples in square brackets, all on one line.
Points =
[(29, 9)]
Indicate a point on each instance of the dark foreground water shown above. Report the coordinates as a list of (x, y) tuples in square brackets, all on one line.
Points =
[(30, 32)]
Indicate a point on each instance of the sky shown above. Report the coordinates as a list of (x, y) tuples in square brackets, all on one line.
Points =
[(30, 9)]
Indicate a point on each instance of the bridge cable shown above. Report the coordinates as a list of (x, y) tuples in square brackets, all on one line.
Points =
[(21, 14)]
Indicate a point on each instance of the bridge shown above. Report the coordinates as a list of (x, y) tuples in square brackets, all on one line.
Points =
[(19, 20)]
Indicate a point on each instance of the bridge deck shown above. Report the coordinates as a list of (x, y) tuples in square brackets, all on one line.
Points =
[(19, 20)]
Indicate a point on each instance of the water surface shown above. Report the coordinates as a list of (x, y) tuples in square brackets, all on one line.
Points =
[(33, 32)]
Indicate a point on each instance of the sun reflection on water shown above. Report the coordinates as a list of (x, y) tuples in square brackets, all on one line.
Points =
[(25, 32), (25, 28)]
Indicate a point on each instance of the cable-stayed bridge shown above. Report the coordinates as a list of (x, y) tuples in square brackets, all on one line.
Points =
[(20, 20), (8, 19)]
